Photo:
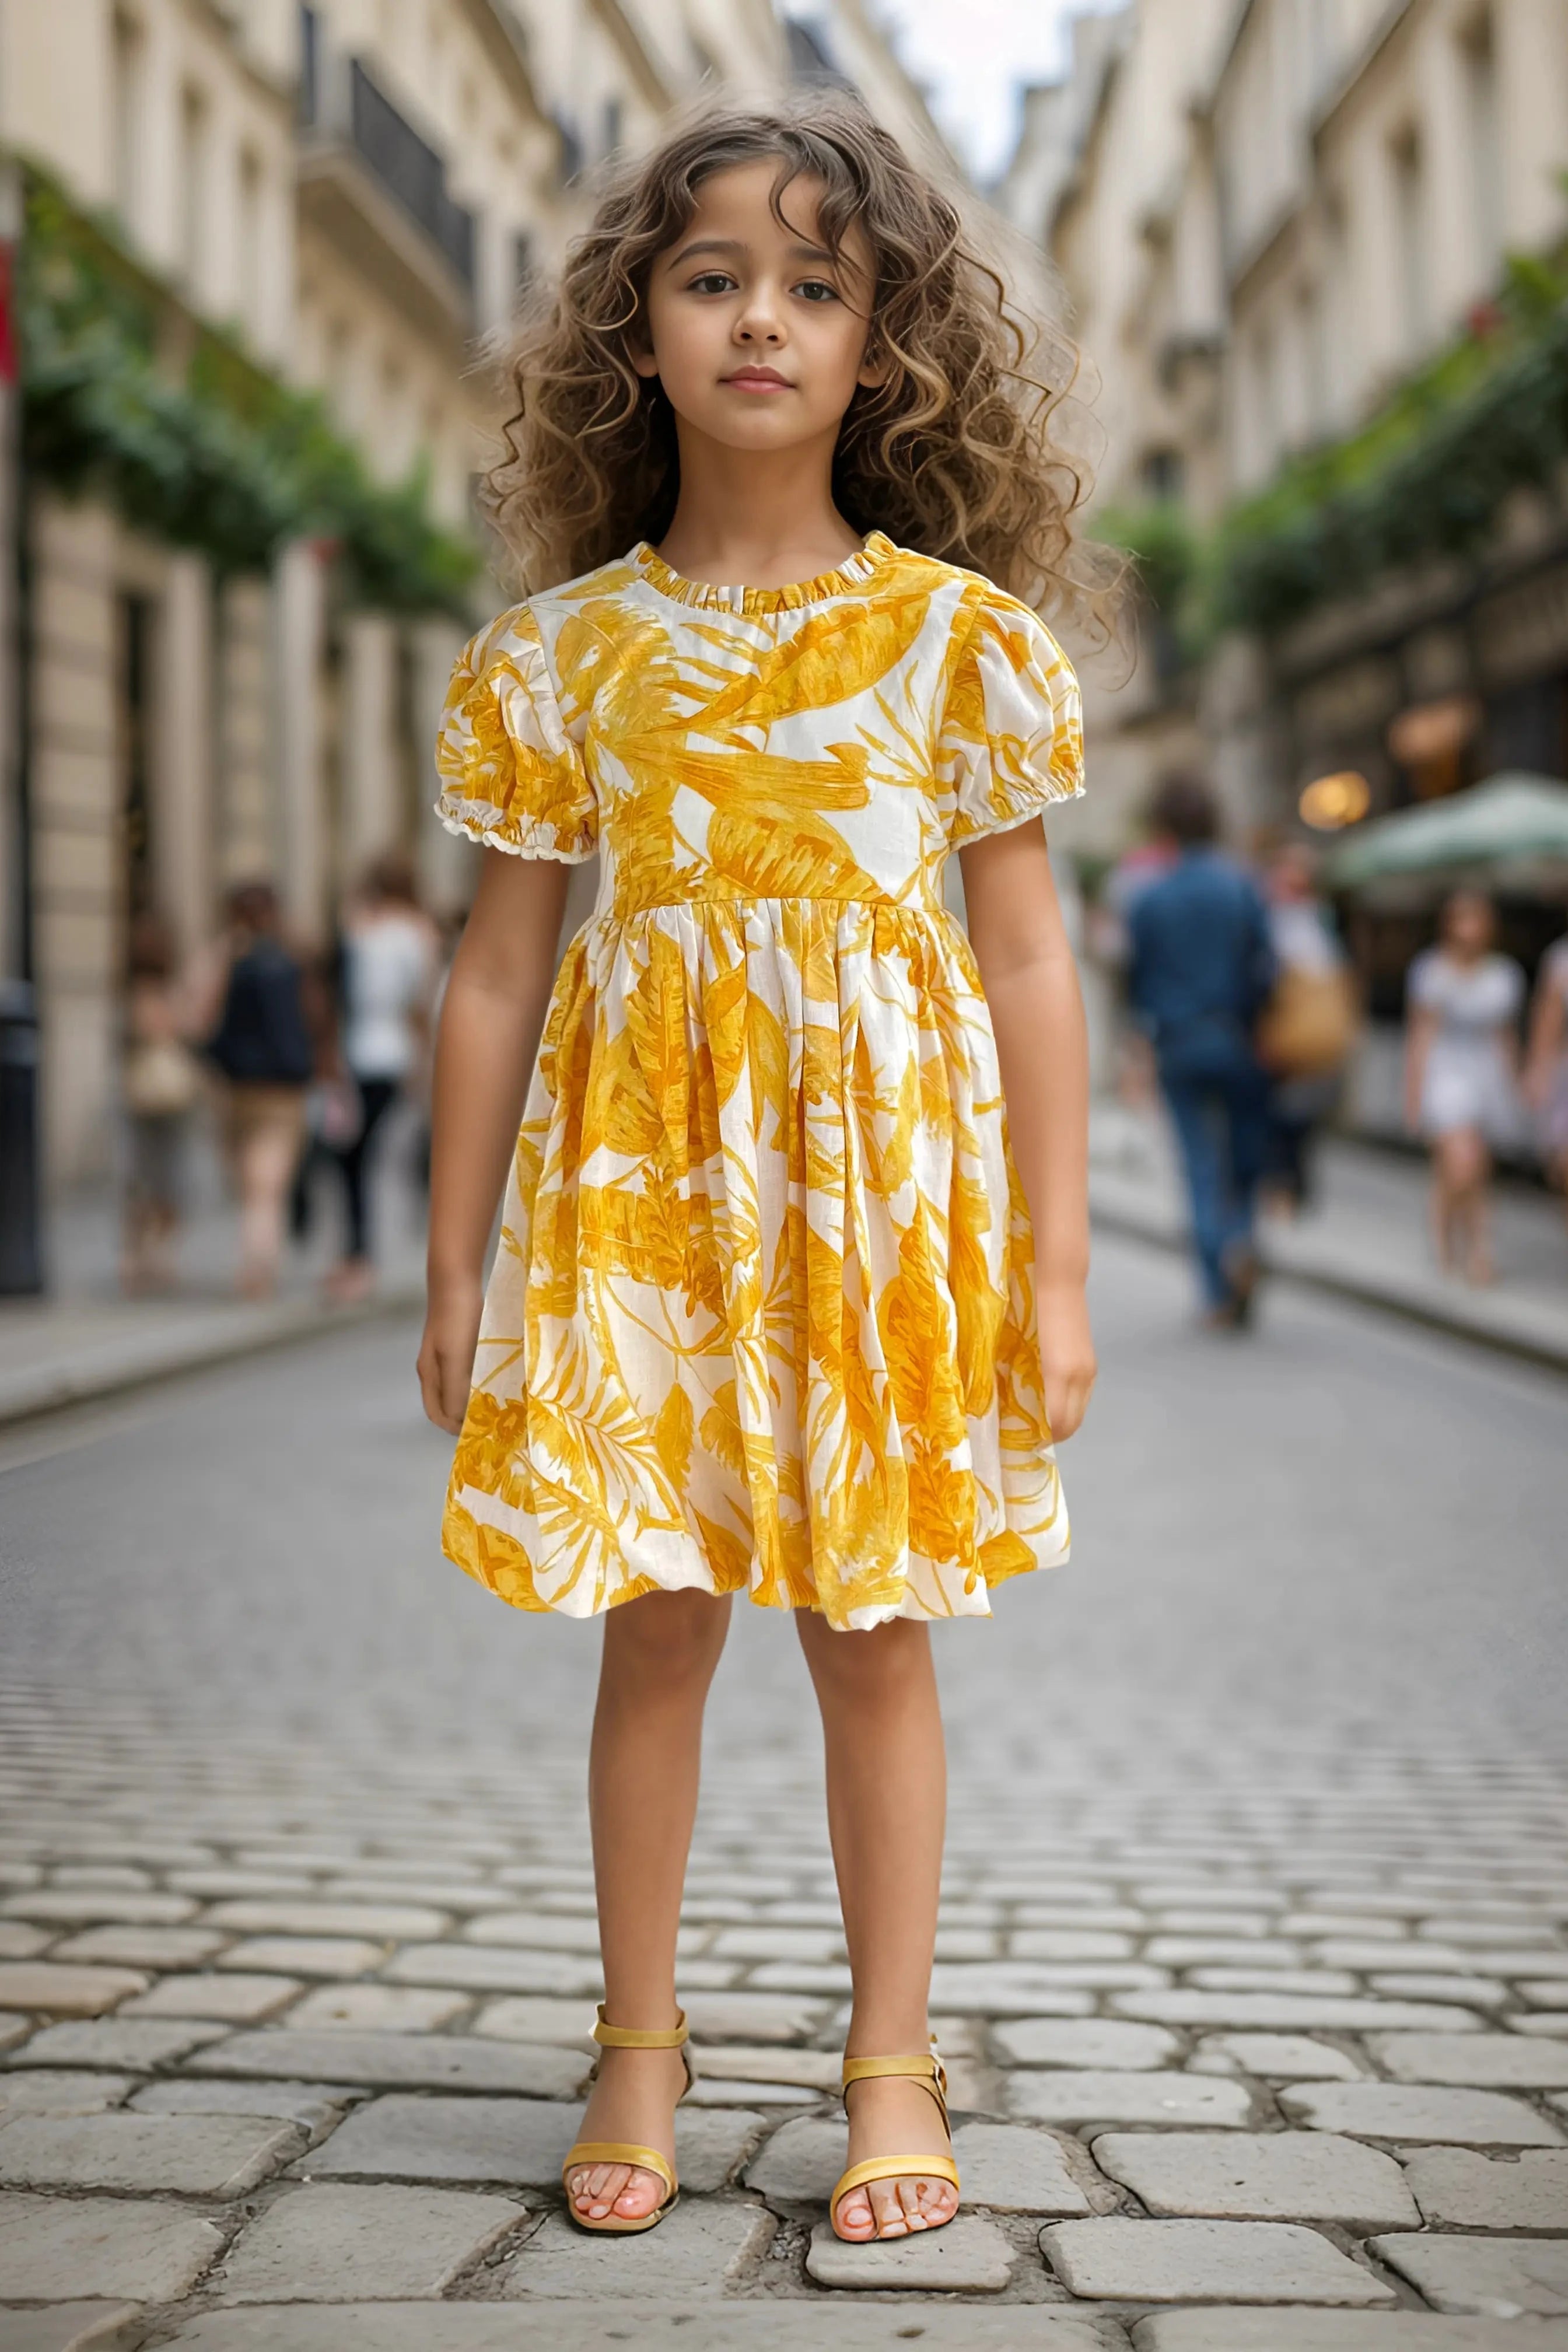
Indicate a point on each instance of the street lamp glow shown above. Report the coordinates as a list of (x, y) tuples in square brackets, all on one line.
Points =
[(1330, 803)]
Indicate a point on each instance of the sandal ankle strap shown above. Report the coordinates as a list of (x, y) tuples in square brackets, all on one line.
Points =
[(923, 2068), (629, 2037)]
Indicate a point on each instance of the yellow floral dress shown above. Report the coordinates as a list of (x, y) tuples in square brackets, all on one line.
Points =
[(762, 1318)]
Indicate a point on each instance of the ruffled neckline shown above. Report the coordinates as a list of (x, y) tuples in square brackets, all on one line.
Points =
[(853, 572)]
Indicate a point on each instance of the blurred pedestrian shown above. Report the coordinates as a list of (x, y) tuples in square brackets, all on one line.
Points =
[(1546, 1071), (1308, 1027), (159, 1086), (1463, 1002), (265, 1017), (1201, 970), (388, 964)]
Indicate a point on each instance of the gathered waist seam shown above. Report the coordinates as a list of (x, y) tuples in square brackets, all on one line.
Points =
[(616, 912)]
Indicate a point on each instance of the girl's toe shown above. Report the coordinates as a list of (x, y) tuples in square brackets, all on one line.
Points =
[(639, 2196), (939, 2201), (911, 2199), (854, 2218), (887, 2209)]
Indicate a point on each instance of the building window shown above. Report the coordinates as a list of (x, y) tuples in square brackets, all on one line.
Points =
[(521, 260), (248, 236), (612, 133), (191, 189), (1479, 60), (1410, 242), (1164, 477), (310, 95), (129, 57)]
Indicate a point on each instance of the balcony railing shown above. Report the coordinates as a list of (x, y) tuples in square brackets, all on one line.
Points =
[(340, 101), (409, 169)]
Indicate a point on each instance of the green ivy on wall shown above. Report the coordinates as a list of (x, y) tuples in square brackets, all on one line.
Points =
[(1425, 479), (193, 443)]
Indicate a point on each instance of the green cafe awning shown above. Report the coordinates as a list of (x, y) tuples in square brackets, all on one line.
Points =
[(1511, 829)]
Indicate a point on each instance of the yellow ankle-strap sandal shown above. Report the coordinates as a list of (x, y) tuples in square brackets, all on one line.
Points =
[(616, 2151), (928, 2070)]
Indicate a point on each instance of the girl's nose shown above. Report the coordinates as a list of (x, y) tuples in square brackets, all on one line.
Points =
[(760, 323)]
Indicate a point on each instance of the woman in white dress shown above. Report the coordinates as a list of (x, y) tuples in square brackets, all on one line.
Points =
[(1463, 1004), (1546, 1073)]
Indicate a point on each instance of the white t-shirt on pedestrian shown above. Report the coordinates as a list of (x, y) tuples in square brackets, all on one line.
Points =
[(389, 971)]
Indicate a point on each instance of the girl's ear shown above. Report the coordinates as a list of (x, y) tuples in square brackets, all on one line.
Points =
[(644, 361), (876, 365)]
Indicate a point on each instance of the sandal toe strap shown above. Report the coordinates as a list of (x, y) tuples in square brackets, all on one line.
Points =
[(893, 2167), (619, 2151)]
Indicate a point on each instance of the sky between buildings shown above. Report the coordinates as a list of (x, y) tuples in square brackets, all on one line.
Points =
[(972, 55)]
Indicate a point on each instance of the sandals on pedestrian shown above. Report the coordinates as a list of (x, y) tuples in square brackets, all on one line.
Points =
[(929, 2072), (615, 2151)]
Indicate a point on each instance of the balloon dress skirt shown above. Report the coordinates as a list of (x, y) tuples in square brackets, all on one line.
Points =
[(761, 1316)]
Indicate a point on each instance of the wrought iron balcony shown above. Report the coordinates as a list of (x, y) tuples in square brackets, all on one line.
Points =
[(373, 180), (409, 169)]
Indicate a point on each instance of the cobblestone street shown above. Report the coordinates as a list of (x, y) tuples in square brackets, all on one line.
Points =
[(1253, 1973)]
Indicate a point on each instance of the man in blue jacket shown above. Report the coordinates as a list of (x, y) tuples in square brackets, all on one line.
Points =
[(1200, 969)]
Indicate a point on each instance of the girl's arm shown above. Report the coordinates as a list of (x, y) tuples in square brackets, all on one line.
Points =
[(1031, 984), (492, 1019), (1420, 1030)]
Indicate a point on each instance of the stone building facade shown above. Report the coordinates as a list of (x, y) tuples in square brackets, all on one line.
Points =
[(349, 193), (1270, 217)]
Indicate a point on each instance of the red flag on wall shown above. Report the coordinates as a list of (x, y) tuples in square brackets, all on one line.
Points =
[(7, 304)]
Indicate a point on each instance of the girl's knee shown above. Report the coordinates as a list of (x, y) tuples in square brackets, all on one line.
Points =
[(669, 1634), (888, 1658)]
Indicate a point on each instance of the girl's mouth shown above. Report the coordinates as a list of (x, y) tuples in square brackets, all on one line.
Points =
[(758, 379)]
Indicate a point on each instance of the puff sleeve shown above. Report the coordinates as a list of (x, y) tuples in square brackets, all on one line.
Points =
[(512, 774), (1011, 739)]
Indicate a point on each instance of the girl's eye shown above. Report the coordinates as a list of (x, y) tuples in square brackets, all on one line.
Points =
[(712, 281), (816, 289)]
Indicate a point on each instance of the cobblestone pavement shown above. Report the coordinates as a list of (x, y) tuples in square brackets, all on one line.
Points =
[(1253, 1973)]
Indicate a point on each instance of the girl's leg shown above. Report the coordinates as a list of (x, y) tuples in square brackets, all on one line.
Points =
[(1443, 1207), (886, 1804), (658, 1659), (1472, 1177)]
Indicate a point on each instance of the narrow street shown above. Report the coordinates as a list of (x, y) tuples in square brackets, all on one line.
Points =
[(1256, 1909)]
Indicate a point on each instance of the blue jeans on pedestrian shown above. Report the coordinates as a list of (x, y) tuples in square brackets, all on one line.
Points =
[(1219, 1108)]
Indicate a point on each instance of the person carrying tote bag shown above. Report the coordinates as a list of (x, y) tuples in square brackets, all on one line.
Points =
[(1307, 1030)]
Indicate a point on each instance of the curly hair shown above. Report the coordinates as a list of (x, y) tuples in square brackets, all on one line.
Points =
[(954, 452)]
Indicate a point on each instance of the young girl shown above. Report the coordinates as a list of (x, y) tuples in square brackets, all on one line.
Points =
[(767, 1316)]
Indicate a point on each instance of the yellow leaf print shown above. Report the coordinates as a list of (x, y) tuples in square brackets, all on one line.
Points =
[(833, 657), (672, 1432), (918, 1335), (763, 1316)]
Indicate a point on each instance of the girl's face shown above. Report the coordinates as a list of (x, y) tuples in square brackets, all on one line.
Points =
[(756, 334), (1467, 924)]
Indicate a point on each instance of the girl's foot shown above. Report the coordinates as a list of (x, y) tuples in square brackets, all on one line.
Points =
[(634, 2099), (887, 2114)]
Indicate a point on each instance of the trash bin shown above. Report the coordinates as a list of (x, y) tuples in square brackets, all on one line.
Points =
[(21, 1257)]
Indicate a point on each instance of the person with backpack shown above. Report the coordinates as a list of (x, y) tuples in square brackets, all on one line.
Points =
[(264, 1049)]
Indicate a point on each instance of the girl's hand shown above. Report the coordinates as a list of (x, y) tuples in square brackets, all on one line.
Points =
[(446, 1351), (1067, 1356)]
